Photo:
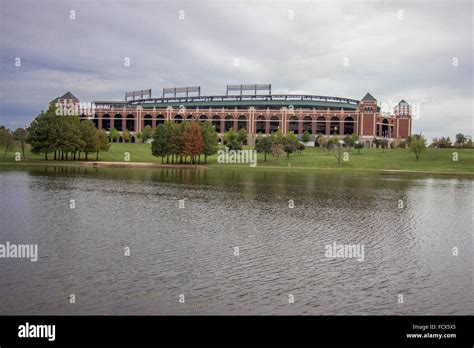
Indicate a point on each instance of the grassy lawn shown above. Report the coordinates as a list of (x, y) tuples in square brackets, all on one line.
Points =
[(437, 160)]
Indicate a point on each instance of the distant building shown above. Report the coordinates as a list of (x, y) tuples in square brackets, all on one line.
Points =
[(257, 113)]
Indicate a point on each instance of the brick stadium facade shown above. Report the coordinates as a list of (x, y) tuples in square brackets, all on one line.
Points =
[(257, 114)]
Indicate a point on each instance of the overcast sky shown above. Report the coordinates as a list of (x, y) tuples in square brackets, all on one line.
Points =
[(420, 51)]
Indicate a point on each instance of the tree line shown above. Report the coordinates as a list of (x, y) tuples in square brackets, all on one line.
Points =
[(70, 137), (9, 138), (67, 137), (277, 144), (142, 136), (179, 141), (460, 140)]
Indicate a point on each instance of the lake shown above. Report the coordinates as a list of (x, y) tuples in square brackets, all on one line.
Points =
[(234, 241)]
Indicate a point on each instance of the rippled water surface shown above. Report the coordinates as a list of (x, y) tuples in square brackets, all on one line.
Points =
[(190, 251)]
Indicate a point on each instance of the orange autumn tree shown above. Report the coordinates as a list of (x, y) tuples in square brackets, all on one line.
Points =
[(192, 142)]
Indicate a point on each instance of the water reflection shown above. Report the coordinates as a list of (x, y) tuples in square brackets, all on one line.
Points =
[(190, 251)]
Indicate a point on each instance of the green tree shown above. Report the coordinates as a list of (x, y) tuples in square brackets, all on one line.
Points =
[(277, 137), (383, 143), (139, 136), (290, 144), (300, 147), (159, 145), (401, 144), (231, 140), (264, 145), (90, 138), (242, 136), (417, 145), (20, 136), (209, 139), (171, 145), (104, 143), (468, 141), (38, 134), (147, 133), (126, 136), (59, 137), (305, 137), (351, 139), (6, 140), (460, 140), (358, 145), (182, 127), (442, 142), (174, 139), (71, 138), (114, 134)]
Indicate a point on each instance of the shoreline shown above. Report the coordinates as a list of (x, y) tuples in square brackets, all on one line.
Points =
[(105, 164), (149, 165)]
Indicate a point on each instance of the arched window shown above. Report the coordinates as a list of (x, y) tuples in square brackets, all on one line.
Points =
[(307, 121), (160, 119), (348, 125), (385, 128), (260, 124), (321, 125), (95, 120), (178, 118), (216, 122), (229, 123), (293, 124), (274, 124), (130, 123), (334, 126), (242, 122), (118, 122), (147, 120), (106, 122)]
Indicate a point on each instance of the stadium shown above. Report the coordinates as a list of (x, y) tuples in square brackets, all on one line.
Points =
[(254, 108)]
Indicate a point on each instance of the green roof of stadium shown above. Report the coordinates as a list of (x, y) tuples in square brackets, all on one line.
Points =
[(248, 103)]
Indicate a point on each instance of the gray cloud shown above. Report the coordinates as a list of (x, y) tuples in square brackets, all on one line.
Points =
[(392, 58)]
